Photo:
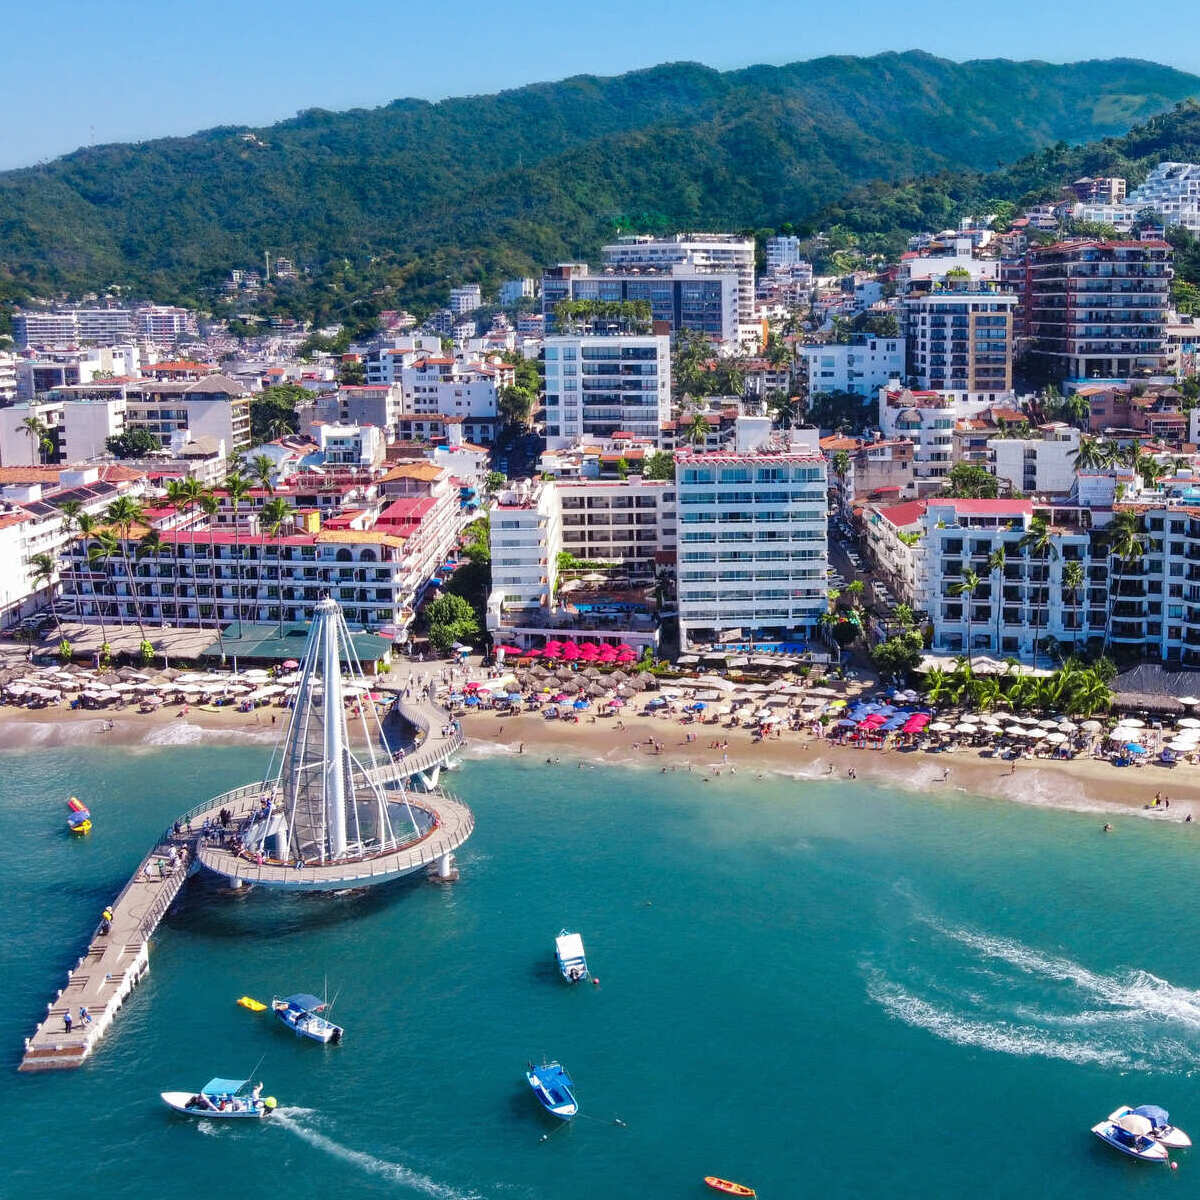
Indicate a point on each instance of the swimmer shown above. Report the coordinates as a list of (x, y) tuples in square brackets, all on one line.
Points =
[(1107, 827)]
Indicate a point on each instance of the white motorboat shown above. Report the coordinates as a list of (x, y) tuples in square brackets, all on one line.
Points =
[(1131, 1135), (1162, 1131), (223, 1098), (572, 964)]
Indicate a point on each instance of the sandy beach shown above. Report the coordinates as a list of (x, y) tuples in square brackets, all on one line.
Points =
[(1085, 784)]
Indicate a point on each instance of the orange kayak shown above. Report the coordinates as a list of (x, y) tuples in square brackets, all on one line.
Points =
[(728, 1187)]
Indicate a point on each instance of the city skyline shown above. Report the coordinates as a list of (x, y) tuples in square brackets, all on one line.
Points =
[(258, 65)]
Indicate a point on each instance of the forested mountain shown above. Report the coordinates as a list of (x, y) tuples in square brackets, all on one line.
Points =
[(389, 205)]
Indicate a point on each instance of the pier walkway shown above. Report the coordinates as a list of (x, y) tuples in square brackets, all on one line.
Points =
[(107, 972)]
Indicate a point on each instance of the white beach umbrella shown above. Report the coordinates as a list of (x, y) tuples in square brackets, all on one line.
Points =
[(1056, 737), (1068, 727), (1015, 731), (1188, 723), (941, 727), (1189, 699), (1132, 723), (966, 727), (1183, 746), (1049, 722), (1091, 727)]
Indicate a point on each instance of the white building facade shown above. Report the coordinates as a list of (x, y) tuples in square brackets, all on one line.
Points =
[(862, 367)]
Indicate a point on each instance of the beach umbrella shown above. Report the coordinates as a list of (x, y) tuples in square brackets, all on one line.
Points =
[(1132, 723), (1188, 723), (1091, 727), (1135, 748), (580, 704), (472, 700), (1015, 731), (1189, 700), (290, 664), (966, 727), (616, 702), (1049, 723), (1056, 737), (937, 726), (1067, 727)]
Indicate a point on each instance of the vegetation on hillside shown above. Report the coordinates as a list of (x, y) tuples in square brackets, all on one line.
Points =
[(382, 207)]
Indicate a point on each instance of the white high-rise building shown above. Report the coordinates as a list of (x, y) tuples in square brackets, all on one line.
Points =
[(514, 290), (783, 252), (1172, 190), (861, 367), (600, 384), (752, 540), (465, 299)]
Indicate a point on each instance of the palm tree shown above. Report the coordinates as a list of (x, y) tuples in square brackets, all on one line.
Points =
[(937, 686), (1091, 455), (100, 553), (123, 514), (210, 506), (262, 471), (43, 568), (1038, 542), (151, 545), (70, 510), (855, 589), (1073, 579), (38, 433), (967, 586), (698, 428), (237, 489), (905, 616), (86, 527), (276, 513), (1126, 546), (995, 565)]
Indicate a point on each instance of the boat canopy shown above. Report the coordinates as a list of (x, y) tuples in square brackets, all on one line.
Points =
[(1136, 1124), (570, 945), (222, 1087), (1158, 1117), (305, 1002)]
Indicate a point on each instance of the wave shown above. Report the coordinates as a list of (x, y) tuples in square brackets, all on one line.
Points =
[(974, 988), (396, 1172), (184, 733), (1000, 1036)]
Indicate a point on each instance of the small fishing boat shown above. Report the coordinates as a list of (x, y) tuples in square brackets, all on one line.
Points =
[(223, 1098), (728, 1186), (79, 820), (552, 1086), (1130, 1134), (568, 948), (301, 1013), (1161, 1129)]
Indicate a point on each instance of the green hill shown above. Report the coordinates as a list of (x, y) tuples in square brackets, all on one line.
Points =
[(388, 205)]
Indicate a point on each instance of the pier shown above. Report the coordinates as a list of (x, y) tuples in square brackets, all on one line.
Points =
[(114, 962)]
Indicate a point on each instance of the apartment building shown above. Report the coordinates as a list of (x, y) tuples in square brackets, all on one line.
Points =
[(862, 366), (922, 547), (215, 407), (526, 540), (1098, 310), (628, 521), (165, 324), (706, 253), (8, 378), (783, 252), (752, 540), (681, 296), (876, 468), (465, 299), (598, 384), (1044, 463), (960, 340), (928, 420), (513, 291), (1171, 191), (66, 327)]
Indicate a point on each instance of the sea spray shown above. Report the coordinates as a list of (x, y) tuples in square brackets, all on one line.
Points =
[(293, 1120)]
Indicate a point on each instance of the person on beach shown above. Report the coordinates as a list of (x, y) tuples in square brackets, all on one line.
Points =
[(67, 1021), (85, 1017)]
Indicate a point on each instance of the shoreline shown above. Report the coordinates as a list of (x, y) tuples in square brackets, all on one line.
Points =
[(1081, 785)]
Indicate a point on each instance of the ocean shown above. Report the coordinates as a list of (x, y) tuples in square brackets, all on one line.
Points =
[(819, 988)]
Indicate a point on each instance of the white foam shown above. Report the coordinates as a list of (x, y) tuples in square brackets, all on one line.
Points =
[(478, 749), (184, 733), (396, 1172), (1003, 1037)]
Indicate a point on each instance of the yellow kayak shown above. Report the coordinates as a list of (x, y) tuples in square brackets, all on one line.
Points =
[(252, 1004)]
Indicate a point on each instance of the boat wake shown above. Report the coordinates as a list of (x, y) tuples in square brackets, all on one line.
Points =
[(1000, 995), (291, 1119)]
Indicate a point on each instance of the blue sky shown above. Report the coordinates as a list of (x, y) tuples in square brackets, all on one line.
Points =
[(83, 71)]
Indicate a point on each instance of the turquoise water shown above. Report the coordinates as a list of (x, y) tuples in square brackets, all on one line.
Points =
[(818, 988)]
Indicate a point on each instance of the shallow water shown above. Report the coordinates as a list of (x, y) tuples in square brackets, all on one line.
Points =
[(820, 988)]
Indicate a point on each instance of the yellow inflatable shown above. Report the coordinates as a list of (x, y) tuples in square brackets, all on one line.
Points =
[(252, 1004)]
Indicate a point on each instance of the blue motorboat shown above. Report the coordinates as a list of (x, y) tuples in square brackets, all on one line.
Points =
[(552, 1086), (1132, 1134), (1161, 1129), (301, 1013)]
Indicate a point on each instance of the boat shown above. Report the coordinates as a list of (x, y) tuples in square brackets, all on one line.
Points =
[(1162, 1131), (79, 820), (728, 1186), (301, 1013), (223, 1098), (1130, 1134), (252, 1004), (568, 948), (552, 1086)]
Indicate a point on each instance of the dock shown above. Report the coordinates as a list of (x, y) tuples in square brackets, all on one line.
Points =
[(108, 971), (114, 962)]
